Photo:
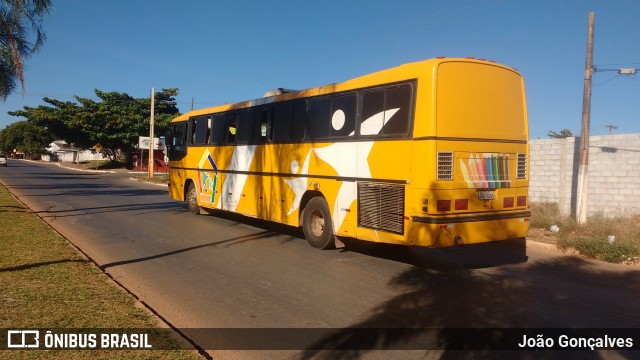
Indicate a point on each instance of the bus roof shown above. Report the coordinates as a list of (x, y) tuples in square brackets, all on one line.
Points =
[(396, 74)]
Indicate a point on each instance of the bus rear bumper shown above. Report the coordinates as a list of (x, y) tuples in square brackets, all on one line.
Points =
[(442, 231)]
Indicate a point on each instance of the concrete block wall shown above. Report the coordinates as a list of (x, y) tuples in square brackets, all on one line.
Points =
[(613, 173)]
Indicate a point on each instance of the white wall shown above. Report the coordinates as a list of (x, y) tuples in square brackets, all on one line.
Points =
[(613, 173)]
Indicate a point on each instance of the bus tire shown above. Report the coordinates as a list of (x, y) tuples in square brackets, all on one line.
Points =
[(317, 225), (192, 199)]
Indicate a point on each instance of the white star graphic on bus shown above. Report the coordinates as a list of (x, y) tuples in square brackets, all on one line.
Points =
[(298, 184), (373, 125), (234, 183), (334, 155)]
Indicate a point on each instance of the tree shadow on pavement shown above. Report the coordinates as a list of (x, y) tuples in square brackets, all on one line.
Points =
[(566, 292), (148, 207), (226, 242), (292, 231), (470, 256)]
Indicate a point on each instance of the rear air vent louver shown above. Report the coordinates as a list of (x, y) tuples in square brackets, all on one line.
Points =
[(445, 166), (381, 207), (522, 166)]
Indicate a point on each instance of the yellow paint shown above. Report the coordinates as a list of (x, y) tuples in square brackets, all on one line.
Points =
[(468, 107)]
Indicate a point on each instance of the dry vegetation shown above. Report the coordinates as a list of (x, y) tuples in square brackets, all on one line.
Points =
[(592, 239)]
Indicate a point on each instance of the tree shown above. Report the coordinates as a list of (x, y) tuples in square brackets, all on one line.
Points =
[(114, 121), (20, 20), (26, 137), (564, 133)]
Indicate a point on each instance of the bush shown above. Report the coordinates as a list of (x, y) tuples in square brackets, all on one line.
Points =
[(545, 214), (600, 249)]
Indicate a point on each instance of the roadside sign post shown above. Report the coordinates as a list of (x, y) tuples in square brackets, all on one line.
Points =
[(97, 147)]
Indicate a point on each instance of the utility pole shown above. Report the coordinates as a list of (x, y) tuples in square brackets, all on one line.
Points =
[(151, 137), (581, 205), (611, 128)]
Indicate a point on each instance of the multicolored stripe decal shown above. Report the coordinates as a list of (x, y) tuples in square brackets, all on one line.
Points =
[(207, 180), (486, 171)]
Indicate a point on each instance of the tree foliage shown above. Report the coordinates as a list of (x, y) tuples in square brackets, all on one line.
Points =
[(114, 121), (25, 137), (564, 133), (21, 35)]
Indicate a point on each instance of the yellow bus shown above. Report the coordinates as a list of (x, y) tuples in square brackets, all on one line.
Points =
[(433, 153)]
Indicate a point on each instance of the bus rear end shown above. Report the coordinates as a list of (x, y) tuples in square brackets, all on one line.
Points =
[(479, 185)]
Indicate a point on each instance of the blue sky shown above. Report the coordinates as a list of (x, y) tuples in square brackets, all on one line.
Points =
[(227, 51)]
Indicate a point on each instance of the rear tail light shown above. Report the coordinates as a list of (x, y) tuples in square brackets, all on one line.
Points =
[(507, 202), (522, 201), (444, 205), (461, 204)]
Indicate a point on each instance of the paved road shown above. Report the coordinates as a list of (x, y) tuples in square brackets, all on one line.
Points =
[(229, 271)]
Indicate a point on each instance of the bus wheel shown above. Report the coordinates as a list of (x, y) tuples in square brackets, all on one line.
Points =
[(192, 199), (316, 224)]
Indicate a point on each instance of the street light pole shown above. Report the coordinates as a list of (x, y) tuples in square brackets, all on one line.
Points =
[(581, 205), (151, 137)]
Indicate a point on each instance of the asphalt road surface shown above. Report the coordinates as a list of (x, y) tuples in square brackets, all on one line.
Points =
[(201, 273)]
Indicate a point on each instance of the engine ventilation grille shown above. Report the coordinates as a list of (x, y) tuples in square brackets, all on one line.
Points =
[(445, 166), (522, 166), (381, 207)]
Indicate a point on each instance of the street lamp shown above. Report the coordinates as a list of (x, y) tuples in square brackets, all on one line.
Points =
[(627, 71)]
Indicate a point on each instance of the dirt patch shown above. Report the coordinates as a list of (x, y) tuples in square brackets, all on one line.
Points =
[(542, 235)]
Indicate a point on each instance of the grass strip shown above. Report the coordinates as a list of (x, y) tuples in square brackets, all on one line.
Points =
[(161, 178), (46, 284)]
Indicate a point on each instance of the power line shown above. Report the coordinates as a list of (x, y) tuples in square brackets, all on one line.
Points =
[(607, 81), (620, 64)]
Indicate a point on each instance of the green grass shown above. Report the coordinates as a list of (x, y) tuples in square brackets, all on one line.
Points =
[(46, 284), (98, 165), (590, 239), (161, 178)]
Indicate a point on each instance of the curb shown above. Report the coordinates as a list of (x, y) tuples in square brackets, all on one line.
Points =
[(148, 182), (544, 245), (70, 168), (87, 170)]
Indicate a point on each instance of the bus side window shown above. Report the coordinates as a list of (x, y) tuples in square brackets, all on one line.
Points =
[(192, 131), (178, 149), (281, 124), (244, 125), (209, 127), (343, 115), (230, 128), (218, 129), (319, 118), (299, 120), (397, 98), (180, 136), (261, 125), (372, 112), (199, 131)]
